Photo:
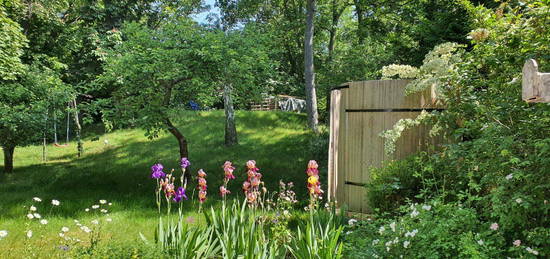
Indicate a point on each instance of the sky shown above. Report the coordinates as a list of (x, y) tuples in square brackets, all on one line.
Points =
[(201, 18)]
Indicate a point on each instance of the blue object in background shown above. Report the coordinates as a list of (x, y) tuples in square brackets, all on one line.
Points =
[(194, 106)]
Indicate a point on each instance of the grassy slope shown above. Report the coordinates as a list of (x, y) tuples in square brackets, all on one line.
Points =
[(119, 172)]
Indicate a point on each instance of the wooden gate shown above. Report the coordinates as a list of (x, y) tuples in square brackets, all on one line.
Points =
[(359, 112)]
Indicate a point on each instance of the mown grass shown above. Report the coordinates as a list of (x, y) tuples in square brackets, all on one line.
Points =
[(119, 172)]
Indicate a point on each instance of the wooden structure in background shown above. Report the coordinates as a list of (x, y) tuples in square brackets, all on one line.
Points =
[(267, 104), (535, 85), (359, 112)]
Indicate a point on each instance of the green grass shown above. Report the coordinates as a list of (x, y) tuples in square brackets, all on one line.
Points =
[(119, 172)]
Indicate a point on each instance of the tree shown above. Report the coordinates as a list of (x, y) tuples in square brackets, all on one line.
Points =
[(11, 48), (24, 107), (311, 96)]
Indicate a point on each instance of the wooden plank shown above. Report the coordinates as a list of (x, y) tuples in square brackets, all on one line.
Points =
[(333, 173), (342, 196), (354, 173)]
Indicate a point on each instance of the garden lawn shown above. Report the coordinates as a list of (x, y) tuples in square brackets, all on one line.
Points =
[(119, 172)]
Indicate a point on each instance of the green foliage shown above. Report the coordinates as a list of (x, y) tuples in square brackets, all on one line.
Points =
[(435, 230), (242, 233), (25, 104), (179, 240), (496, 167), (317, 238), (11, 47)]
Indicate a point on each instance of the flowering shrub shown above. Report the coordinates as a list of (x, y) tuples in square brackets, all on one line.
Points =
[(433, 230)]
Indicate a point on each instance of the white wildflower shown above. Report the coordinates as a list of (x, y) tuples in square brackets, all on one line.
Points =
[(102, 201), (32, 208), (95, 222), (55, 203), (519, 200), (110, 204), (3, 233), (349, 232), (30, 216), (86, 229), (426, 207), (494, 226), (406, 244), (108, 219), (376, 241), (414, 213), (61, 235), (37, 199), (36, 215), (352, 222), (29, 233), (381, 230), (95, 207), (65, 229), (532, 251), (392, 226), (87, 210), (44, 221), (480, 242), (509, 177), (103, 211)]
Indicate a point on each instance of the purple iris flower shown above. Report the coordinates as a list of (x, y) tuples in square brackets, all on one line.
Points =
[(156, 171), (180, 193), (185, 162)]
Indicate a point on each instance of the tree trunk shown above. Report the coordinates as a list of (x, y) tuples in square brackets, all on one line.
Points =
[(230, 129), (79, 148), (359, 12), (311, 97), (182, 142), (8, 159)]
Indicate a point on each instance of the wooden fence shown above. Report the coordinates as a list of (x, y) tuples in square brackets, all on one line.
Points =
[(359, 112), (267, 104)]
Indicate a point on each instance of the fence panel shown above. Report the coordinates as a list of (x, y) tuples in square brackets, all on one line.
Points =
[(359, 112)]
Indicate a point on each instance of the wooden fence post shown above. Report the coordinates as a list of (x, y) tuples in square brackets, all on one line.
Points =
[(535, 85)]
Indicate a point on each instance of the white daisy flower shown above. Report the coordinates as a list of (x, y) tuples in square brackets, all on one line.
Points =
[(109, 219), (103, 211), (352, 222), (3, 233), (86, 229), (406, 244), (36, 215), (37, 199), (55, 203), (95, 207), (65, 229), (426, 207), (509, 177), (87, 210), (44, 221), (102, 201), (30, 216), (32, 208), (29, 233)]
